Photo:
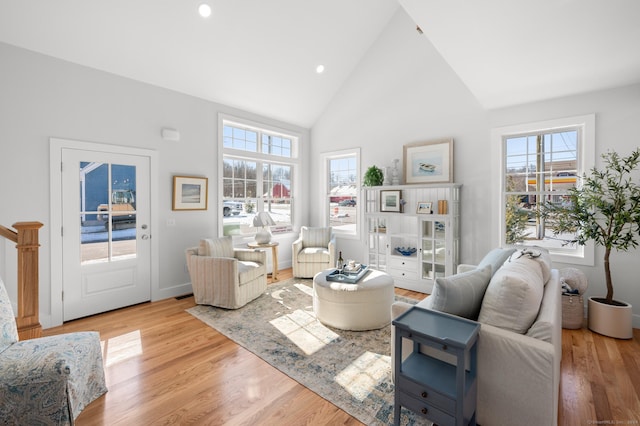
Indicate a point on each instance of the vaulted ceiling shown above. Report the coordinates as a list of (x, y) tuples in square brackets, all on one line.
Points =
[(261, 55)]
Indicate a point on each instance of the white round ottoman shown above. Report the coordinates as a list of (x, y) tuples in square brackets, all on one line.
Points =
[(365, 305)]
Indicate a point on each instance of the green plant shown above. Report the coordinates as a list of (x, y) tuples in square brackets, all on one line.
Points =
[(373, 177), (515, 216), (605, 209)]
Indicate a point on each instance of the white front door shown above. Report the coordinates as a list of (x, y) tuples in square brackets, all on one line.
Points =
[(106, 231)]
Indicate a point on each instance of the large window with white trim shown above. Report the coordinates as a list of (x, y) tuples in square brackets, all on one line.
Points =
[(342, 183), (258, 166), (540, 165)]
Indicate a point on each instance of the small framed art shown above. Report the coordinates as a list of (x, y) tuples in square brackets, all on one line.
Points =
[(424, 207), (189, 193), (390, 201)]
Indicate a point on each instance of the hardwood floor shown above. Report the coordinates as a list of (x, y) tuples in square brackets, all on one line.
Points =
[(163, 366)]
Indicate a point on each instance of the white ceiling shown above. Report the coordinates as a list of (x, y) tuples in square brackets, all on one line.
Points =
[(261, 55)]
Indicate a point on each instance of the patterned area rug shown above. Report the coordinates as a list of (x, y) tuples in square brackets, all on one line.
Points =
[(351, 369)]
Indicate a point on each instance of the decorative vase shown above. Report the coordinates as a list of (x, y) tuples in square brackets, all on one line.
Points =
[(610, 320), (395, 173), (387, 178)]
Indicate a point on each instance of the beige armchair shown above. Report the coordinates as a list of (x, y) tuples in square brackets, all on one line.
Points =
[(224, 276), (313, 251)]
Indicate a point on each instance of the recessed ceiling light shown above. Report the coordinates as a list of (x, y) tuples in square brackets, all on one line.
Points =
[(204, 10), (320, 69)]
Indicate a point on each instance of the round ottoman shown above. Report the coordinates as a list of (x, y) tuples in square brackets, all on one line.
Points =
[(365, 305)]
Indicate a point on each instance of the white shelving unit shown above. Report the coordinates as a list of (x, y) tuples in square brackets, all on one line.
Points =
[(436, 236)]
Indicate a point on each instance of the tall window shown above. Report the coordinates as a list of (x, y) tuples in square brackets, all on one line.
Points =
[(257, 175), (540, 166), (342, 171)]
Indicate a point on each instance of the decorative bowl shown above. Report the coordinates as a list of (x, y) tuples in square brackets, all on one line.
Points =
[(406, 251)]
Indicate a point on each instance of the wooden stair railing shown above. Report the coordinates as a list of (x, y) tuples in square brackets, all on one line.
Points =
[(26, 239)]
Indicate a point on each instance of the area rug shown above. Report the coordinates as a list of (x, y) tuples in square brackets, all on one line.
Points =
[(351, 369)]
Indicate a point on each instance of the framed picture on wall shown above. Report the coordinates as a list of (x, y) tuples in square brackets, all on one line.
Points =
[(390, 201), (424, 207), (189, 193), (428, 162)]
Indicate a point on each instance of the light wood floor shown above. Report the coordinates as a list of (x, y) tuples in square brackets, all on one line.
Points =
[(163, 366)]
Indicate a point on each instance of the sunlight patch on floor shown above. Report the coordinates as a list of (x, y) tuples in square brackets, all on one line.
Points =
[(302, 328), (304, 288), (121, 348), (364, 373)]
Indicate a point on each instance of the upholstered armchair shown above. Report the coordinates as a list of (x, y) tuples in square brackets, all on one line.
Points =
[(49, 380), (224, 276), (313, 251)]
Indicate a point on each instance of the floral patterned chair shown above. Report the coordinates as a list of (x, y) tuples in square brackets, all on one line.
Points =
[(49, 380)]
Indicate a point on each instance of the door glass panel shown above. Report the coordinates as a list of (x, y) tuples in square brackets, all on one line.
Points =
[(93, 246), (108, 223)]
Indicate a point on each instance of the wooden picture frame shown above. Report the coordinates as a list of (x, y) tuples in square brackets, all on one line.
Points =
[(190, 193), (428, 162), (391, 201), (424, 207)]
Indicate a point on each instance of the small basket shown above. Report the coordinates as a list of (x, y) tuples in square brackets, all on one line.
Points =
[(572, 311)]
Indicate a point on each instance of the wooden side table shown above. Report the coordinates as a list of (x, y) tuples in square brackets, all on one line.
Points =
[(274, 255)]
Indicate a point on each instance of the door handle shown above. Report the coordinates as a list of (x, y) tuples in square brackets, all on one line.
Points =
[(145, 237)]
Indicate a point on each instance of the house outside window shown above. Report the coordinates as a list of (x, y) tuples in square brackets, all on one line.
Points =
[(342, 187), (257, 171), (539, 165)]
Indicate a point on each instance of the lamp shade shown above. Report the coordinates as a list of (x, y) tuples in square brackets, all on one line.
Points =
[(263, 219)]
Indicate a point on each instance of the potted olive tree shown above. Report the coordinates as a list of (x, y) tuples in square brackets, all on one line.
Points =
[(604, 209)]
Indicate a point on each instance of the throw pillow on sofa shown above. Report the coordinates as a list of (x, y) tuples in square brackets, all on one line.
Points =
[(513, 296), (540, 255), (461, 294), (496, 258)]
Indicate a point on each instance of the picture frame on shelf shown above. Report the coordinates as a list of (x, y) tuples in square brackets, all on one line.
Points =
[(428, 162), (190, 193), (390, 201), (424, 207)]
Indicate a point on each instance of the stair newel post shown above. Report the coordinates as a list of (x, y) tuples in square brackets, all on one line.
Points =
[(27, 244)]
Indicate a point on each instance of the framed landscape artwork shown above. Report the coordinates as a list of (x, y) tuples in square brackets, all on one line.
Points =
[(428, 162), (390, 201), (189, 193)]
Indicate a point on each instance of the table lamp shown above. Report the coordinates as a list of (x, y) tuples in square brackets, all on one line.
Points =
[(263, 219)]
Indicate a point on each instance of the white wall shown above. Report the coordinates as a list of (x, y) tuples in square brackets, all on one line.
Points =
[(43, 97), (404, 92), (617, 114)]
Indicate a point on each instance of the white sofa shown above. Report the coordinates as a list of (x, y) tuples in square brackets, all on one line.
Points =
[(520, 340)]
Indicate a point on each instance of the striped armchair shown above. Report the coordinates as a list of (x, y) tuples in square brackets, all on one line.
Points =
[(313, 251), (224, 276)]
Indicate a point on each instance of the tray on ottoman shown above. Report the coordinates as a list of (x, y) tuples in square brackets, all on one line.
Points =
[(346, 276)]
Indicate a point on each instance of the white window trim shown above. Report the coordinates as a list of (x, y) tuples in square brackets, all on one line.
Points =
[(294, 161), (586, 160), (324, 158)]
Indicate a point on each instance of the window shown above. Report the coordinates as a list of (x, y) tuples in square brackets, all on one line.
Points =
[(541, 164), (342, 183), (258, 165)]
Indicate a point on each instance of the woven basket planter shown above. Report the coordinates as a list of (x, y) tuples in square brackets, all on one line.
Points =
[(572, 311)]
